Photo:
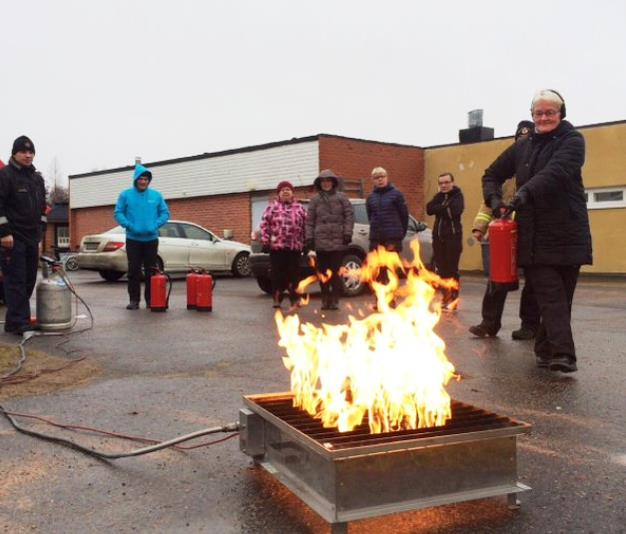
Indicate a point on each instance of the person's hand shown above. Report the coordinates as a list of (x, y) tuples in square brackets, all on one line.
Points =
[(478, 235), (6, 241), (265, 249), (521, 198), (347, 239), (498, 208)]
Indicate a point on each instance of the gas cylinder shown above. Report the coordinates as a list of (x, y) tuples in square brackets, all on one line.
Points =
[(204, 292), (159, 292), (192, 288), (503, 253), (54, 300)]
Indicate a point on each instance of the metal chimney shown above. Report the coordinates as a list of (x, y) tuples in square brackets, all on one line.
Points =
[(475, 118)]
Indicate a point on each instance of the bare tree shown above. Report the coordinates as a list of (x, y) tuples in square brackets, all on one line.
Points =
[(57, 183)]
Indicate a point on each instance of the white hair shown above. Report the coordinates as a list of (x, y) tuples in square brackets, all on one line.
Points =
[(547, 95), (378, 171)]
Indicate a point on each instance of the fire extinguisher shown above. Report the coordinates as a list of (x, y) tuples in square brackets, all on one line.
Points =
[(160, 289), (204, 292), (192, 289), (503, 253)]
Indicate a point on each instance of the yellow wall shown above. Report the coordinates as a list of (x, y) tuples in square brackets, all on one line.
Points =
[(605, 166)]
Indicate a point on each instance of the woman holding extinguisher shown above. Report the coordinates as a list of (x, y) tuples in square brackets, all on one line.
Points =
[(554, 236), (282, 235)]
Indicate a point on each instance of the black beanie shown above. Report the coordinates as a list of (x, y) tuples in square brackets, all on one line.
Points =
[(22, 144)]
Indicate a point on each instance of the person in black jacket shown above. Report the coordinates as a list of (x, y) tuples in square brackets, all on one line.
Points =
[(554, 239), (387, 213), (22, 220), (447, 206)]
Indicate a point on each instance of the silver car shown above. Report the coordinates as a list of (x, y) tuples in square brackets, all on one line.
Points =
[(182, 245)]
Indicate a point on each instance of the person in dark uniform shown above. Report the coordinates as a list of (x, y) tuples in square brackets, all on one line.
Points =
[(495, 294), (553, 224), (447, 206), (22, 222)]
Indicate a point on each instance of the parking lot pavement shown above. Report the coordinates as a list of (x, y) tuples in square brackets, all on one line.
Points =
[(167, 374)]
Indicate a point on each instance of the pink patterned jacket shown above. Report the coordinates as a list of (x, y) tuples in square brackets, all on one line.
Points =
[(282, 225)]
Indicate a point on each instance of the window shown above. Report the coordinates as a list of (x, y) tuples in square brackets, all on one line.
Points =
[(169, 230), (63, 236), (606, 197), (193, 232), (360, 213)]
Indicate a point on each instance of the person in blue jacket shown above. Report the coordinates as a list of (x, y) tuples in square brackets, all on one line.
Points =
[(141, 211)]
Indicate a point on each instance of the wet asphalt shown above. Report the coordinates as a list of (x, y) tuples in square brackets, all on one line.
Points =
[(167, 374)]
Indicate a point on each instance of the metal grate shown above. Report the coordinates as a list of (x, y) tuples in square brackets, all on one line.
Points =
[(465, 419)]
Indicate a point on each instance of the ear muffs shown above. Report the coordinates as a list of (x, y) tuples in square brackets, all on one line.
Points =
[(562, 100)]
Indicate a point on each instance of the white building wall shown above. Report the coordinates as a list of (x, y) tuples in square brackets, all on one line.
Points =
[(233, 173)]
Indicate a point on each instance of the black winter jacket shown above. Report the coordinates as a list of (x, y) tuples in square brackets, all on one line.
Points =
[(447, 209), (554, 224), (387, 214), (22, 202)]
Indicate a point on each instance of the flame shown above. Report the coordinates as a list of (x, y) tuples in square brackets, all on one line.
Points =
[(389, 364)]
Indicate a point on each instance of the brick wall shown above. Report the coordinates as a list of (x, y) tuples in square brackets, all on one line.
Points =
[(351, 158), (216, 213)]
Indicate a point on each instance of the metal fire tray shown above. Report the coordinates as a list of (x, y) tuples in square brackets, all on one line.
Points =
[(355, 475)]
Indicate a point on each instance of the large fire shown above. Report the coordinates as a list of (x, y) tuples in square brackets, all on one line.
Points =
[(389, 365)]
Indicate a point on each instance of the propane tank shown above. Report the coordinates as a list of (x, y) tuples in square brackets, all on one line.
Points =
[(159, 292), (204, 292), (192, 288), (503, 253), (54, 300)]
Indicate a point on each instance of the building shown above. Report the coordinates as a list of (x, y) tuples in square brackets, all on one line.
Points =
[(227, 191)]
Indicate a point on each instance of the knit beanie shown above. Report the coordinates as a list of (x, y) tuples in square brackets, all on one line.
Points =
[(22, 144), (282, 185)]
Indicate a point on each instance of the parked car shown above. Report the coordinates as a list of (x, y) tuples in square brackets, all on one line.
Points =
[(357, 250), (182, 245)]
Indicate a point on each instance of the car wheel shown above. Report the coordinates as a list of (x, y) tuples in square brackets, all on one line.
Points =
[(352, 286), (111, 276), (265, 284), (71, 264), (241, 265)]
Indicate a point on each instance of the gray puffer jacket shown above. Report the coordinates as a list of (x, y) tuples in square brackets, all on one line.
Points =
[(330, 217)]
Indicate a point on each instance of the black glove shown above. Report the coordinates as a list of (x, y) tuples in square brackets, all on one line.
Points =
[(265, 249), (347, 239), (520, 199), (498, 208), (310, 244)]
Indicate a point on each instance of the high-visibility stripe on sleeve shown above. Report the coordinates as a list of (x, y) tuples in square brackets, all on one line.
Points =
[(4, 220), (44, 219)]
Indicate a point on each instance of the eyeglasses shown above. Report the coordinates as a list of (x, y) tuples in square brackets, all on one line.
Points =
[(447, 182), (548, 114)]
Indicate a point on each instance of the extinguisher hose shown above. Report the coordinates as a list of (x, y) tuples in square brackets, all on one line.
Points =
[(169, 289)]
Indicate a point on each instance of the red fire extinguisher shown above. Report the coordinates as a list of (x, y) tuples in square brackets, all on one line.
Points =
[(159, 291), (204, 292), (192, 289), (503, 253)]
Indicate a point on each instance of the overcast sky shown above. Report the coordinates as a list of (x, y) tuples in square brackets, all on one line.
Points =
[(96, 83)]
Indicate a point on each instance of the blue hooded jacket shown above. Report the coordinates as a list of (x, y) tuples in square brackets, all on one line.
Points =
[(142, 213)]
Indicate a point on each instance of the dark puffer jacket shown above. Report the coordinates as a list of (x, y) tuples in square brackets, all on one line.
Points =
[(554, 224), (387, 214), (330, 219), (22, 202), (447, 209)]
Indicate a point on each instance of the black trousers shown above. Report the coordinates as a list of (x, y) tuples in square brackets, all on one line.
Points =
[(493, 307), (330, 260), (19, 266), (142, 256), (554, 287), (447, 253), (285, 266)]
